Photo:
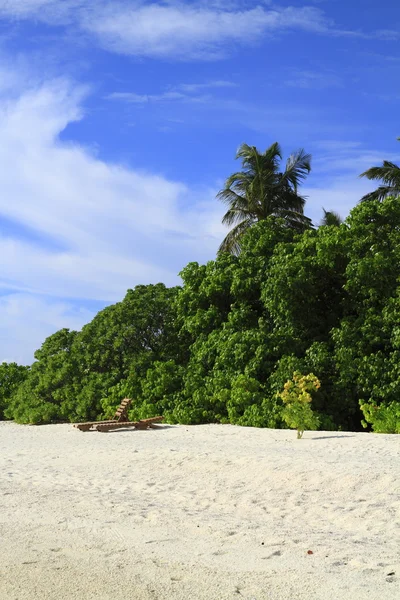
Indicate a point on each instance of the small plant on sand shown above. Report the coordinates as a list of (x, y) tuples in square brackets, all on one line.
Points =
[(296, 395)]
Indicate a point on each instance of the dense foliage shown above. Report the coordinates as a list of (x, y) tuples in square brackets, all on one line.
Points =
[(221, 347), (74, 371), (11, 377)]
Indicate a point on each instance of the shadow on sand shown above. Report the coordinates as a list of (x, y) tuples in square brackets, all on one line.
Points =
[(134, 428), (329, 437)]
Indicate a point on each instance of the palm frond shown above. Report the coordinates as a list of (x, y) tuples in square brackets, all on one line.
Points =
[(382, 192), (272, 156), (388, 173), (249, 154), (298, 166), (238, 179), (229, 196), (231, 243), (296, 220), (234, 216), (288, 199)]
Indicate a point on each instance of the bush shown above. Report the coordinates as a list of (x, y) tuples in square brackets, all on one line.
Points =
[(11, 377), (296, 396), (383, 418)]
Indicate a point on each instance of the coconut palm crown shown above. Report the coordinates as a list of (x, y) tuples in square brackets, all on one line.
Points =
[(331, 218), (261, 190), (389, 174)]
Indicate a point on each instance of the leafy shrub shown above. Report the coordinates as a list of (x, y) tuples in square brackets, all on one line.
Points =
[(296, 396), (384, 418), (11, 377)]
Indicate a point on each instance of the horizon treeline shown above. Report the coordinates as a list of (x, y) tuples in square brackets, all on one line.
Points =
[(219, 348)]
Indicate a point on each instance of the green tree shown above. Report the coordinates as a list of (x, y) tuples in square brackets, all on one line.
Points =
[(40, 397), (74, 371), (231, 355), (367, 341), (262, 190), (304, 289), (389, 174), (11, 377)]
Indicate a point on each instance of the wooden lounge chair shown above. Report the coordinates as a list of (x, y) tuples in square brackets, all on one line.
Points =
[(120, 420), (143, 424), (121, 414)]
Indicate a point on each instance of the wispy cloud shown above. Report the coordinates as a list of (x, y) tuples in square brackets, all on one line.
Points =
[(50, 11), (313, 80), (198, 87), (390, 58), (114, 227), (27, 319), (134, 98), (335, 156), (184, 92), (334, 182), (184, 31), (101, 213), (387, 34), (178, 30)]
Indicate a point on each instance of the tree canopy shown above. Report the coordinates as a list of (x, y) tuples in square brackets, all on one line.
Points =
[(220, 347)]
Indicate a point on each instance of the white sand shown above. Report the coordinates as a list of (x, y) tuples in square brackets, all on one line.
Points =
[(209, 512)]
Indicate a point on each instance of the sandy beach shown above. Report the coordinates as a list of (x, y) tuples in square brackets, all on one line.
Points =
[(204, 512)]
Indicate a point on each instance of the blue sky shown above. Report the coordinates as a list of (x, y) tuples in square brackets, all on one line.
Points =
[(119, 122)]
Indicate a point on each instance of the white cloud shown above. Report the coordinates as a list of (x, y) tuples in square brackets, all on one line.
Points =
[(177, 30), (184, 31), (27, 320), (104, 227), (50, 11), (336, 169)]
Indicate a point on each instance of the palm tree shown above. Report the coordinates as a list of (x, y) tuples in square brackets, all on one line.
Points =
[(262, 190), (331, 218), (389, 174)]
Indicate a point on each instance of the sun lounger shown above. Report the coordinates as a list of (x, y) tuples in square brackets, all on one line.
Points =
[(121, 414), (120, 420), (143, 424)]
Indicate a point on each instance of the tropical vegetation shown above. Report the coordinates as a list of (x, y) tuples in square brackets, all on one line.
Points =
[(262, 190), (219, 348)]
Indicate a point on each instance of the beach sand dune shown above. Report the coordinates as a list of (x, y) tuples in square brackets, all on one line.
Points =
[(209, 512)]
